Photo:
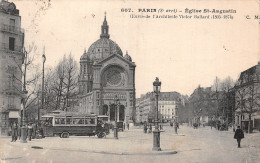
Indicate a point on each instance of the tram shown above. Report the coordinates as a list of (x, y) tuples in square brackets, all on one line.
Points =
[(67, 123)]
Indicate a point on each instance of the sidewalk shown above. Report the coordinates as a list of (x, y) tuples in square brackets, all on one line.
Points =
[(192, 145), (141, 144)]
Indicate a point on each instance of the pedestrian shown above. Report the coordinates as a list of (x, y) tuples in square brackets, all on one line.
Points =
[(14, 132), (145, 128), (41, 131), (11, 126), (128, 126), (33, 131), (19, 131), (175, 127), (29, 131), (150, 128), (239, 134)]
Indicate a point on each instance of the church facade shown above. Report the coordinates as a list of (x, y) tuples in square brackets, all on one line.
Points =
[(107, 80)]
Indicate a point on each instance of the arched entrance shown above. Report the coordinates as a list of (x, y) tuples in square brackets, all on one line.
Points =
[(121, 113), (105, 110), (112, 112)]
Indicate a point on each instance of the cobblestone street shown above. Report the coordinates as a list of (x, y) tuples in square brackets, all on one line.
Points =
[(191, 145)]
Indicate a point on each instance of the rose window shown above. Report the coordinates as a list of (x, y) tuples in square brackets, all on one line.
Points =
[(113, 76)]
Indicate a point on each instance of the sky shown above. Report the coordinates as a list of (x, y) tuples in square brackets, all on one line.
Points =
[(183, 53)]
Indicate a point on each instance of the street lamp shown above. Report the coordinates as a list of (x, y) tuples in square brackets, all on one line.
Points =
[(38, 94), (176, 114), (24, 95), (43, 61), (116, 102), (156, 132)]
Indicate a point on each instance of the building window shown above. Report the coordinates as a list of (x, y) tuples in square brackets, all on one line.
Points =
[(85, 68), (11, 43), (131, 95), (12, 25)]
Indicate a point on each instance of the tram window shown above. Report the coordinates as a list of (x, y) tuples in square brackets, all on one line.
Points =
[(57, 121), (72, 121), (87, 121), (78, 121), (92, 121), (62, 121), (68, 121)]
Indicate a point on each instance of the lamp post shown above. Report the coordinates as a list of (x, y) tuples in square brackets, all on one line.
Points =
[(38, 106), (156, 132), (43, 61), (116, 102), (24, 95), (176, 114)]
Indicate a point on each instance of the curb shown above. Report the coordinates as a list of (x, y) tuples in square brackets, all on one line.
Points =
[(168, 152)]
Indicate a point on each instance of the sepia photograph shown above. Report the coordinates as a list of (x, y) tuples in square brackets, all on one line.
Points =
[(129, 81)]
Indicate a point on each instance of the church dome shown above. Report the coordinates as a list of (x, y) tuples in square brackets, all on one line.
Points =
[(84, 56), (128, 57), (103, 47)]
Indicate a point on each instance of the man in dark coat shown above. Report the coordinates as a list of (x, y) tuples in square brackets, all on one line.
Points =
[(145, 128), (150, 128), (14, 131), (30, 131), (19, 131), (239, 134)]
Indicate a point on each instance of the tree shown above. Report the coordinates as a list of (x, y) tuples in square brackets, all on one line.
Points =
[(70, 81), (252, 102), (30, 75), (61, 84), (225, 87), (216, 87)]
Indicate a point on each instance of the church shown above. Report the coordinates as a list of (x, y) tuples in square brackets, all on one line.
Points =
[(107, 80)]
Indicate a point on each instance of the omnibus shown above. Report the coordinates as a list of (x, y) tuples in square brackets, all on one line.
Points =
[(67, 123)]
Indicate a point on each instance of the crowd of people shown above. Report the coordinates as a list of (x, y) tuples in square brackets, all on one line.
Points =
[(32, 131), (148, 128)]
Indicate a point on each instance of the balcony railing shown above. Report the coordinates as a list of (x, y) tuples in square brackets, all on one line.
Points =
[(5, 46), (13, 29)]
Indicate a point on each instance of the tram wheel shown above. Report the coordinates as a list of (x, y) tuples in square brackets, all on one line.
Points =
[(101, 134), (65, 135)]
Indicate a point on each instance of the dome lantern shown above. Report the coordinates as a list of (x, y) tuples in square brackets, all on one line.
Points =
[(104, 29)]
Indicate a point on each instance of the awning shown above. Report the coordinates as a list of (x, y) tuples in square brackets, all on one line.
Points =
[(256, 116), (47, 116), (14, 114)]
